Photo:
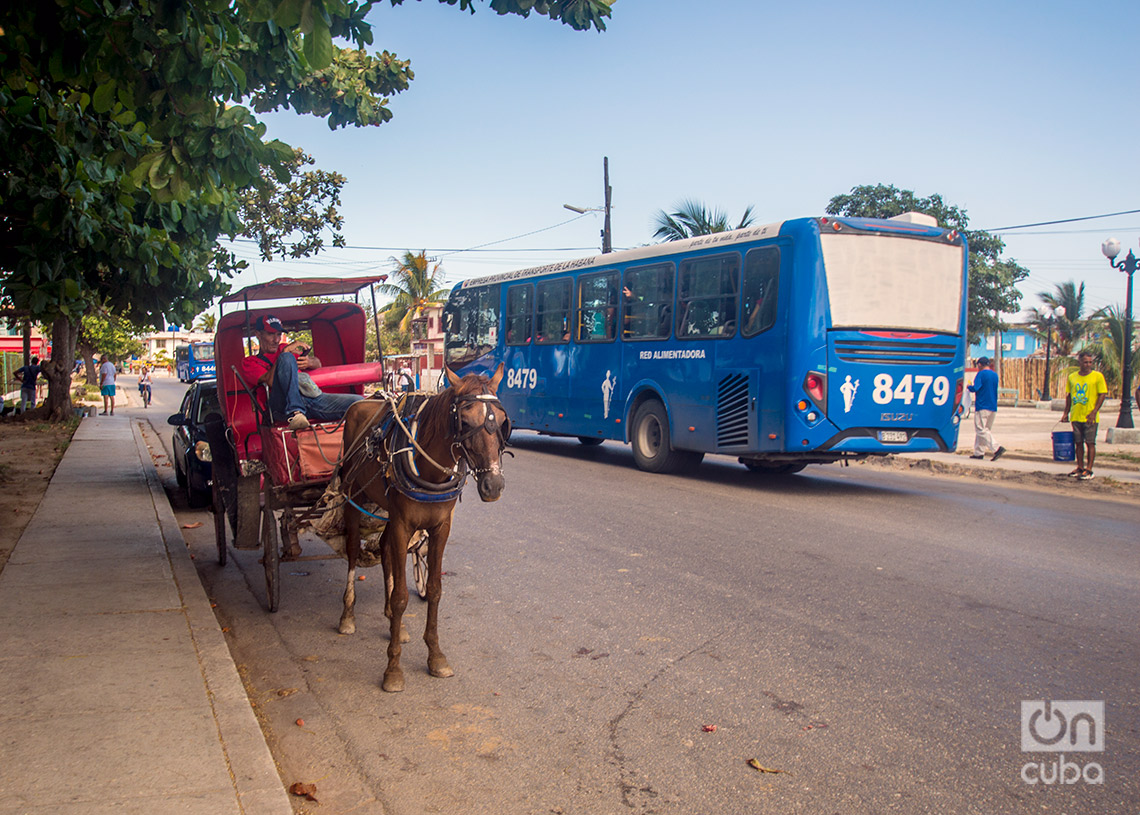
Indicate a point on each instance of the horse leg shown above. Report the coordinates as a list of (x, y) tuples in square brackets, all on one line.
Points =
[(395, 542), (437, 662), (352, 551), (386, 565)]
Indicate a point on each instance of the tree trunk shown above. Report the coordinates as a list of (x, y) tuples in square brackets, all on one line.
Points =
[(57, 370), (88, 362), (27, 342)]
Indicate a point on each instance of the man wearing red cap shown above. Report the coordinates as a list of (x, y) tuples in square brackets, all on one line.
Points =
[(279, 365)]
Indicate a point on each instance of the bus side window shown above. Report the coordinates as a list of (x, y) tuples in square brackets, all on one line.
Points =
[(598, 307), (647, 302), (519, 317), (707, 296), (761, 283), (552, 311)]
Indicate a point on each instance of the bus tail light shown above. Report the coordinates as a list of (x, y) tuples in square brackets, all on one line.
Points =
[(815, 386), (958, 393)]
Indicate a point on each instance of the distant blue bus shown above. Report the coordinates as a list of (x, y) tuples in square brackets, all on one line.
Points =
[(807, 341), (194, 361)]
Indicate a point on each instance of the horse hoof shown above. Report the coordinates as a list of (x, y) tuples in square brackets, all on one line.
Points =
[(440, 668), (394, 681), (347, 627)]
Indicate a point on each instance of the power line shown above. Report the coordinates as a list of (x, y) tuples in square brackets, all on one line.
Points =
[(1064, 221)]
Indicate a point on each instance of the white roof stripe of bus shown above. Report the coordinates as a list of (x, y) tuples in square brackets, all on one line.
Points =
[(751, 233)]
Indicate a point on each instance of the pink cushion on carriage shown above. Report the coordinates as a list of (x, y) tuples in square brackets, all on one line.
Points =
[(338, 376)]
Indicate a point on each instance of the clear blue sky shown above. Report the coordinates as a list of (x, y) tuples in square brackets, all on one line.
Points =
[(1016, 111)]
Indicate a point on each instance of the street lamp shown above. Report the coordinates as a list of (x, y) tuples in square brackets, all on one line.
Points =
[(607, 242), (1049, 313), (1111, 249)]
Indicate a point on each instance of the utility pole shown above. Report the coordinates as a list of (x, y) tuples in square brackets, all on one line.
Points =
[(607, 241)]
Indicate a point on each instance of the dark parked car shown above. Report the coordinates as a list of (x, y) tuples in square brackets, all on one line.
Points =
[(191, 449)]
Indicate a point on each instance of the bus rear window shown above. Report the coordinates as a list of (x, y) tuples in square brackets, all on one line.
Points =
[(885, 281)]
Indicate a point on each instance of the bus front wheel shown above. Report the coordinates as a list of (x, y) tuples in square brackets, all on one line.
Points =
[(652, 447)]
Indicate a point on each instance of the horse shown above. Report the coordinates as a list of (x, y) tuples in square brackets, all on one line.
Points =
[(415, 474)]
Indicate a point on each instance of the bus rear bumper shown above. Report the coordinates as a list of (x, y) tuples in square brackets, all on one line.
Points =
[(866, 440)]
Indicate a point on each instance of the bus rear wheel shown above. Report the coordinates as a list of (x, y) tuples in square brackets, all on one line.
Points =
[(652, 447)]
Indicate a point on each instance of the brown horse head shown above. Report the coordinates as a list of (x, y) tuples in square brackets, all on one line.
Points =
[(481, 428)]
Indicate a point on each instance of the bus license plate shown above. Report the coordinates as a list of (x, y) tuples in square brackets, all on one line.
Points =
[(895, 436)]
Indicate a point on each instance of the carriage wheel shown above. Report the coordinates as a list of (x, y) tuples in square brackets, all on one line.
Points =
[(218, 507), (247, 512), (417, 548), (270, 552)]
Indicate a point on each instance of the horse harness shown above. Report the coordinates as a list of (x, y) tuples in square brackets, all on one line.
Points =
[(393, 443)]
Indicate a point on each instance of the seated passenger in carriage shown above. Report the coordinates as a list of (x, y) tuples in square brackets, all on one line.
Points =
[(279, 366)]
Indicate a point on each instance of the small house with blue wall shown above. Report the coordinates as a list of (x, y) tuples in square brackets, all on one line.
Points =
[(1018, 342)]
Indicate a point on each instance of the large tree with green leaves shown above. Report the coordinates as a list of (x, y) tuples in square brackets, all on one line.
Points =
[(691, 218), (993, 281), (128, 134)]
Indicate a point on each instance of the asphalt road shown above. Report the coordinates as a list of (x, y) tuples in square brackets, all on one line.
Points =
[(871, 634)]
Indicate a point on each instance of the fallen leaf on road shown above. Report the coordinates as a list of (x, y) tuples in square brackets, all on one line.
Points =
[(756, 765), (194, 525), (709, 728), (308, 791), (283, 692)]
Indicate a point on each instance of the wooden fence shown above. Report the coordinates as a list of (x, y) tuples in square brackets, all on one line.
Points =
[(1028, 377)]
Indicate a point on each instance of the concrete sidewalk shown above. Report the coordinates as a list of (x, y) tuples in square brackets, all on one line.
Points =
[(1027, 435), (118, 692)]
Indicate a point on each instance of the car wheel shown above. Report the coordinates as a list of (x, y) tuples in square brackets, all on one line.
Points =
[(198, 493)]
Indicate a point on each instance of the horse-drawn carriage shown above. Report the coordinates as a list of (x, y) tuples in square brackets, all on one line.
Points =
[(400, 462), (267, 478)]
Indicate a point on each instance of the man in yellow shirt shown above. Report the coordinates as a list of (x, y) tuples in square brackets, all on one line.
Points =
[(1084, 396)]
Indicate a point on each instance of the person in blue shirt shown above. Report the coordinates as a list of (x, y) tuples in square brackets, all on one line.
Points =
[(27, 376), (985, 390)]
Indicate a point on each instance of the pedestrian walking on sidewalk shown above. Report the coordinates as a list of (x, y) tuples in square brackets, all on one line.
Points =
[(107, 375), (985, 390), (27, 376), (1084, 395)]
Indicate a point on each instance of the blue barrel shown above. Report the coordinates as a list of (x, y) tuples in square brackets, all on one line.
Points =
[(1063, 448)]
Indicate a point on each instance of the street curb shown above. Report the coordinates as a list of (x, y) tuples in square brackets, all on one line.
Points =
[(1101, 486), (251, 766)]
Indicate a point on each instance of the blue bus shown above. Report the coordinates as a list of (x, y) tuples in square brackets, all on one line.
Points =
[(807, 341), (194, 361)]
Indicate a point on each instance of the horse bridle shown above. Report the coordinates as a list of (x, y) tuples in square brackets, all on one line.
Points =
[(491, 425)]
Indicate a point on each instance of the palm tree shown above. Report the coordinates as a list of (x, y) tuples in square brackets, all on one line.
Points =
[(415, 285), (207, 322), (1070, 330), (693, 218), (1108, 346)]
